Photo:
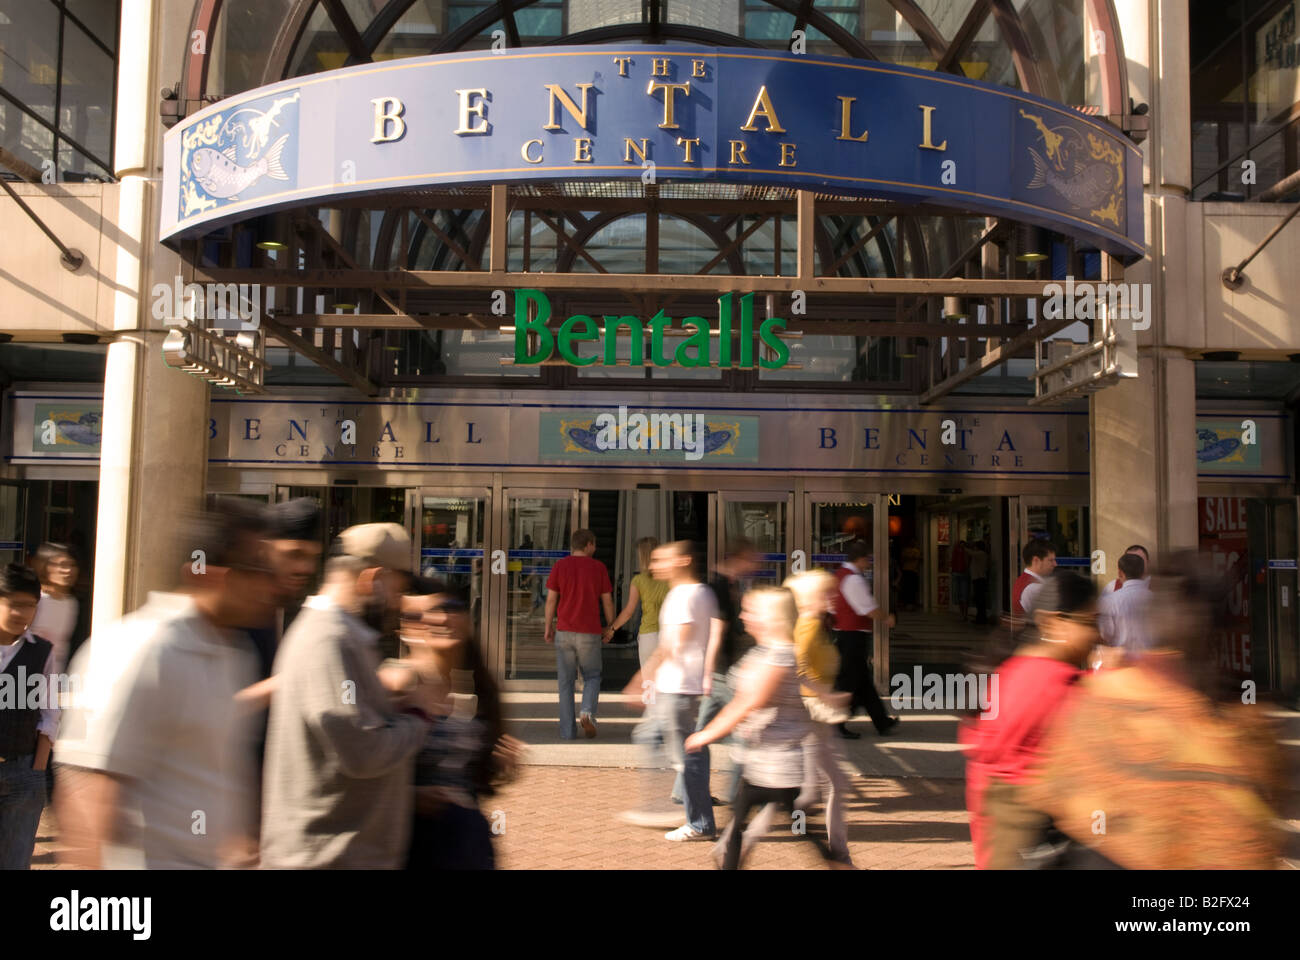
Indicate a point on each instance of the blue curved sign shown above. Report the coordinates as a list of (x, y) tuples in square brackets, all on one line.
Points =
[(848, 127)]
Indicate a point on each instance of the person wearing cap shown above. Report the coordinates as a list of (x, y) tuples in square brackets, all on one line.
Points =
[(340, 755)]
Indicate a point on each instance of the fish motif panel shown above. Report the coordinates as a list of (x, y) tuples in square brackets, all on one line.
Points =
[(1078, 168), (243, 153)]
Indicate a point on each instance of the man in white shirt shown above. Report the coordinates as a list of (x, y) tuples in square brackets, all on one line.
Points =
[(1121, 614), (153, 765), (687, 618), (1146, 562)]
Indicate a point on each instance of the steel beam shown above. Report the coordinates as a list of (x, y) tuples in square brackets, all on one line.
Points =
[(434, 280)]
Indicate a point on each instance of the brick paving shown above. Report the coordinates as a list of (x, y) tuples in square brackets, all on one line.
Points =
[(558, 817)]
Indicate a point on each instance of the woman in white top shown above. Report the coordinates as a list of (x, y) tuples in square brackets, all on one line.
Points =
[(770, 716), (56, 614)]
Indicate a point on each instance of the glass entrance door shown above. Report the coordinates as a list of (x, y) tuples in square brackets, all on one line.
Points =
[(832, 522), (537, 528), (450, 527), (764, 520)]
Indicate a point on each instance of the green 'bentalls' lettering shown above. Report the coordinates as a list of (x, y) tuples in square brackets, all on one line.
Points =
[(692, 351)]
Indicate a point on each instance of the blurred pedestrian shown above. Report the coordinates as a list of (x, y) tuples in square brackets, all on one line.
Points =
[(686, 623), (56, 614), (340, 756), (959, 564), (154, 769), (818, 665), (1164, 763), (769, 716), (577, 592), (979, 580), (1003, 743), (27, 725), (293, 551), (855, 611), (648, 594), (466, 751), (729, 647), (910, 577), (293, 540)]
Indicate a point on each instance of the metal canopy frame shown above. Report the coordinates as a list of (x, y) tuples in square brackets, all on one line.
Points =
[(317, 270), (470, 227)]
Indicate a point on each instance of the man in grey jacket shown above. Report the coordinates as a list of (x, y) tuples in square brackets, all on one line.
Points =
[(340, 752)]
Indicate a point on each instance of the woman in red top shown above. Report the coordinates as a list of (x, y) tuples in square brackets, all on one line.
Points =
[(1003, 741)]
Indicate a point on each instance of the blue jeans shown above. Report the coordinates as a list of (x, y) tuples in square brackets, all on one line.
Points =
[(574, 652), (677, 714), (710, 706), (22, 797)]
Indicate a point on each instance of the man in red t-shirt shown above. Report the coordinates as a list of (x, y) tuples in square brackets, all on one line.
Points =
[(578, 589)]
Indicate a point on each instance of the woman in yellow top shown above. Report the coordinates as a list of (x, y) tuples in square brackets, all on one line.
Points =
[(818, 664), (649, 593)]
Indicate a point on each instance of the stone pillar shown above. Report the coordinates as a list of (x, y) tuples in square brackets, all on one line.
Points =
[(152, 472), (1143, 452), (153, 459)]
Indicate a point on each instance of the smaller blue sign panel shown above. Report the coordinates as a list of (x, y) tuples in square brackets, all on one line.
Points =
[(239, 153)]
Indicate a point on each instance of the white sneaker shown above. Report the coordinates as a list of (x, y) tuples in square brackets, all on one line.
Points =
[(686, 832)]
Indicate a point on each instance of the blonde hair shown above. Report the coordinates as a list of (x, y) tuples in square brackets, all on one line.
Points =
[(776, 607), (644, 547), (809, 587)]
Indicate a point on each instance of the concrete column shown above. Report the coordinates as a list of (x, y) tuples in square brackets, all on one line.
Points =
[(153, 459), (1143, 451), (152, 472)]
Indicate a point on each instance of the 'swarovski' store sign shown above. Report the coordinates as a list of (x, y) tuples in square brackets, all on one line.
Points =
[(602, 112)]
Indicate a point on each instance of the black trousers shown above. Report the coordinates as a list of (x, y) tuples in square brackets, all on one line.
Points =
[(855, 675), (749, 796)]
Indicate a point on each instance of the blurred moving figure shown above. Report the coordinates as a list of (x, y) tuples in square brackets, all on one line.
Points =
[(1159, 764), (153, 766), (56, 614), (854, 610), (647, 593), (1122, 613), (978, 558), (960, 567), (466, 751), (339, 756), (768, 714), (26, 732), (818, 662), (294, 551), (680, 681), (1003, 744)]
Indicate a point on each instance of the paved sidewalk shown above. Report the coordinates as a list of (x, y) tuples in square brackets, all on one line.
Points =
[(907, 811), (565, 818)]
